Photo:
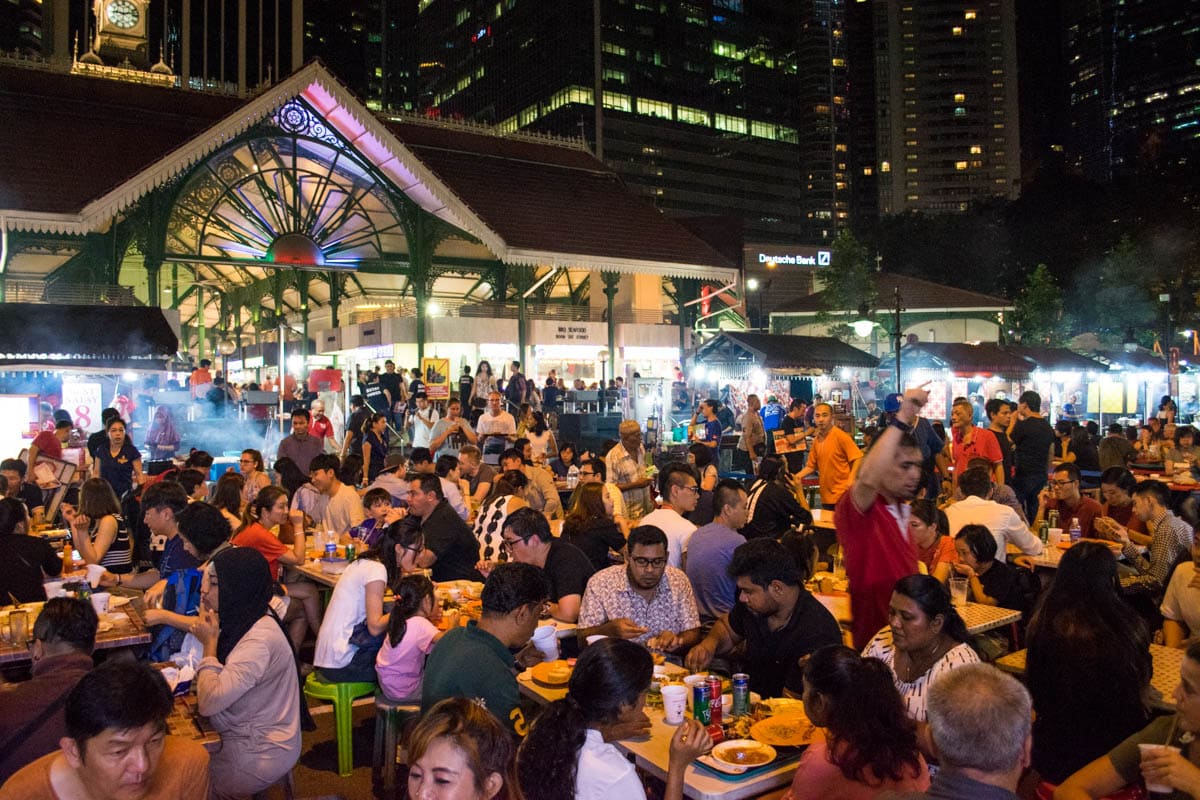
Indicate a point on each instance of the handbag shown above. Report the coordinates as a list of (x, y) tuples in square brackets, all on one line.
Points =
[(362, 638)]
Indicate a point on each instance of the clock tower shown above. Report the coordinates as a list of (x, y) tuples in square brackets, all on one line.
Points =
[(121, 31)]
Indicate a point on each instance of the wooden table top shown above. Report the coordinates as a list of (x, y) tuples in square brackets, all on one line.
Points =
[(186, 723), (128, 630), (1167, 662)]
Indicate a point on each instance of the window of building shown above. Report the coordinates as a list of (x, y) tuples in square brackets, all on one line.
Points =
[(616, 75), (969, 14), (692, 116), (959, 111), (725, 122), (726, 50), (868, 171), (959, 97), (886, 166), (527, 116), (462, 16), (614, 49), (976, 149), (618, 102), (960, 165), (956, 30), (653, 108)]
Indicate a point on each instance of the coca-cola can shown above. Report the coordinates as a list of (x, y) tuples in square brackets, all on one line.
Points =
[(716, 732)]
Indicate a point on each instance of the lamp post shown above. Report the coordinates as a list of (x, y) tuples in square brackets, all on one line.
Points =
[(864, 324)]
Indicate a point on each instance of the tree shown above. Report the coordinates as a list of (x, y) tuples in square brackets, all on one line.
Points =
[(1038, 317), (849, 285), (1114, 300)]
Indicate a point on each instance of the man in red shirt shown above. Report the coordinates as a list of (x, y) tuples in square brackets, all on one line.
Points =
[(320, 426), (49, 443), (872, 520), (970, 442)]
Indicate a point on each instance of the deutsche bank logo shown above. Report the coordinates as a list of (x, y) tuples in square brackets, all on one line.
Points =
[(823, 258)]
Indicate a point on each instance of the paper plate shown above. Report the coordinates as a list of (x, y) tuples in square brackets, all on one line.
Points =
[(552, 674), (784, 730)]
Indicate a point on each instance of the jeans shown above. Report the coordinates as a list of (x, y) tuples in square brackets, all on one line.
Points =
[(1027, 487), (361, 668)]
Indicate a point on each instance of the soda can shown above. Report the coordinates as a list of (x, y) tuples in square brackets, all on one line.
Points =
[(714, 699), (741, 695), (701, 706), (716, 732), (350, 552)]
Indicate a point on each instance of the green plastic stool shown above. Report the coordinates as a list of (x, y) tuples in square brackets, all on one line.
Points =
[(343, 696)]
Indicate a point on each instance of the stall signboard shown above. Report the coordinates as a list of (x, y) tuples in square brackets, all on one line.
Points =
[(550, 332), (84, 400), (436, 373)]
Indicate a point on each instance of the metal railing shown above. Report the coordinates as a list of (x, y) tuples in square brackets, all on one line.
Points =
[(17, 290), (448, 307)]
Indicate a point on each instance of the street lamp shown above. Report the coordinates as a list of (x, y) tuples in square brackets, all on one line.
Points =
[(864, 325)]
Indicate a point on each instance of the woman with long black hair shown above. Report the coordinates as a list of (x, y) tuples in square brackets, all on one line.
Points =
[(246, 684), (568, 751), (1085, 635), (772, 504), (868, 744)]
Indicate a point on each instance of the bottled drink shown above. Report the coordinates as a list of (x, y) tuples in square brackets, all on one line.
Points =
[(1076, 530)]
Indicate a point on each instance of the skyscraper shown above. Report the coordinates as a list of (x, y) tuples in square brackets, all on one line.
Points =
[(725, 107), (947, 125)]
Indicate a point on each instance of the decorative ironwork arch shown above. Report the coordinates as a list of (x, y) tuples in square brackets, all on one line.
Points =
[(295, 177)]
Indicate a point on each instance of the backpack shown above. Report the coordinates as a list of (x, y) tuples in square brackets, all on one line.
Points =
[(182, 596)]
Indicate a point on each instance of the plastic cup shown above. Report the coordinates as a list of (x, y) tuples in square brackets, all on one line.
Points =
[(595, 637), (1054, 536), (958, 591), (674, 702), (54, 589), (100, 602), (545, 639), (94, 571), (690, 683), (1156, 788)]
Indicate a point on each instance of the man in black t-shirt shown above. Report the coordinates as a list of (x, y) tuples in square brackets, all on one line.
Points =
[(526, 535), (775, 616), (451, 551), (373, 394), (999, 414), (465, 384), (359, 414), (12, 470), (1033, 442), (389, 382)]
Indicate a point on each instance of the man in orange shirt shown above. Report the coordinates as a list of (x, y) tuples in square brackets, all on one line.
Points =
[(201, 380), (116, 744), (832, 456)]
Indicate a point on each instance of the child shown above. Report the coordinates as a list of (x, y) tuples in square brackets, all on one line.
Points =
[(378, 504), (412, 633)]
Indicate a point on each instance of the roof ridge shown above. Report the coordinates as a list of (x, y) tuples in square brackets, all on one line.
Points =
[(485, 129)]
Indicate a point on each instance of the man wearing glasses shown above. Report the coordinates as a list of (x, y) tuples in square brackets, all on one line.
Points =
[(594, 471), (680, 490), (527, 539), (643, 599), (1063, 495)]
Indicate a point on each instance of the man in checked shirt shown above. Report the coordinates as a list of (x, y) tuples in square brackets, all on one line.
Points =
[(1170, 537)]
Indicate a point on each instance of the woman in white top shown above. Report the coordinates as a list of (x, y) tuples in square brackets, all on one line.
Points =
[(925, 638), (247, 683), (570, 743), (352, 631), (485, 384), (541, 439)]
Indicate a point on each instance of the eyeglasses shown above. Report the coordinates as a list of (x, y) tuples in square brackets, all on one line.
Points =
[(509, 544), (649, 562), (1060, 484), (692, 488), (583, 474)]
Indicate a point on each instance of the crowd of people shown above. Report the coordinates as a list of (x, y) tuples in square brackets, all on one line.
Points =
[(671, 562)]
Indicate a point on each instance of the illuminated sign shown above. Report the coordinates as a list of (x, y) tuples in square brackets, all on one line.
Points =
[(758, 256), (254, 362), (821, 258)]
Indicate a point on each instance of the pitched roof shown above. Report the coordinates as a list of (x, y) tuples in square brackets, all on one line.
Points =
[(1056, 359), (68, 139), (76, 150), (964, 359), (916, 295), (1139, 359), (781, 352), (116, 337)]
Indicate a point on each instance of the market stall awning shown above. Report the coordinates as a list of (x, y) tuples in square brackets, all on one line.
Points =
[(1056, 359), (781, 353), (93, 337), (965, 359), (1139, 360)]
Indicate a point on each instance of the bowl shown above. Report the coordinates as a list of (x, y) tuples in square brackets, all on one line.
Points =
[(745, 753), (333, 566)]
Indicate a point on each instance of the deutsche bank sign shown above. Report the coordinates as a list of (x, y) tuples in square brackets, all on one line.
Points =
[(817, 258)]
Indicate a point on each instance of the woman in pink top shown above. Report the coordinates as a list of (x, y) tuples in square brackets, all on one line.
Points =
[(869, 745), (412, 633)]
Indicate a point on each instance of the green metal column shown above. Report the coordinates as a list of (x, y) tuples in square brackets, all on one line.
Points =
[(611, 287), (686, 290), (200, 322), (302, 288), (152, 270), (522, 312), (335, 297)]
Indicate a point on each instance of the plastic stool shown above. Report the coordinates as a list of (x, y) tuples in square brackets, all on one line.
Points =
[(343, 696), (388, 716)]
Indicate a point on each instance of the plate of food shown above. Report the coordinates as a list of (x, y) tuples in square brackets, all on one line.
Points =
[(784, 730), (744, 753), (116, 601)]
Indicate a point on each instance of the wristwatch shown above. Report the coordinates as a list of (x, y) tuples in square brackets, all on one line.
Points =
[(900, 426)]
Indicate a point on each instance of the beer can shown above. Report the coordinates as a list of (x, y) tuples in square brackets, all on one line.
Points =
[(741, 695), (716, 732), (701, 706), (714, 699)]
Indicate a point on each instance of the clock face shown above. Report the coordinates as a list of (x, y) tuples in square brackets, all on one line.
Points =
[(122, 13)]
